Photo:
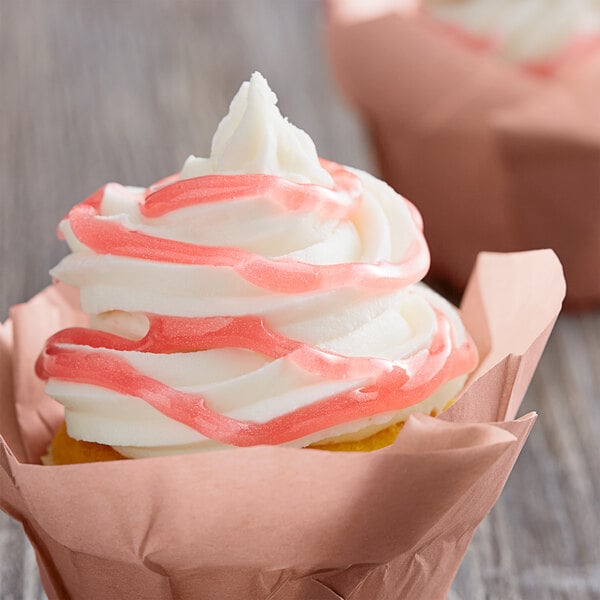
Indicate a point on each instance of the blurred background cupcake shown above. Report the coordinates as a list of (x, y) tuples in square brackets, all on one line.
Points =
[(485, 114)]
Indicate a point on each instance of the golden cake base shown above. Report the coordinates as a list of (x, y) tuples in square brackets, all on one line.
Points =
[(66, 450)]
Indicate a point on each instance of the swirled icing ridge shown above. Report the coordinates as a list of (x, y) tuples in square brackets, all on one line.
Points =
[(283, 275), (72, 355)]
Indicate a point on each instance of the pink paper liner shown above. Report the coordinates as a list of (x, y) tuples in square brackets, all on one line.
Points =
[(276, 522), (495, 157)]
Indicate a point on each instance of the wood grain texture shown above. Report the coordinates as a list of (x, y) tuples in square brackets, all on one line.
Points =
[(124, 90)]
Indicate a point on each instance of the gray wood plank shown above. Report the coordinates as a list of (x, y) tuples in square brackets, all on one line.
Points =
[(123, 90), (19, 579)]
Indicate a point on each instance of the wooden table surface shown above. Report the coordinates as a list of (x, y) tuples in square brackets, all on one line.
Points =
[(123, 90)]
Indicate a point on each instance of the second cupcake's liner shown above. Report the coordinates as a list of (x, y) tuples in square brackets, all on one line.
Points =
[(275, 522), (494, 157)]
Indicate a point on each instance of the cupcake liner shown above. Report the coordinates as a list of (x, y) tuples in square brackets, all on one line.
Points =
[(277, 522), (494, 156)]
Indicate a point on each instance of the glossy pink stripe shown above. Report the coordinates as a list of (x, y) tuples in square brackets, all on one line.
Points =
[(105, 236), (340, 202), (93, 202), (390, 390), (181, 334), (578, 49)]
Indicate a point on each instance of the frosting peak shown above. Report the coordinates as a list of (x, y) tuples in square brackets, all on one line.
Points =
[(255, 138)]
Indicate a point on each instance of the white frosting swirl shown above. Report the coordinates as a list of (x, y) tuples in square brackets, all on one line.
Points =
[(349, 320), (528, 31)]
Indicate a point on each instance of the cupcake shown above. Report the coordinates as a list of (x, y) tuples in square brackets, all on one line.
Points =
[(261, 296), (331, 258), (484, 113)]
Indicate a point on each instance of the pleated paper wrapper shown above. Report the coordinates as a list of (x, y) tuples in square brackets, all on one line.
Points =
[(496, 157), (273, 522)]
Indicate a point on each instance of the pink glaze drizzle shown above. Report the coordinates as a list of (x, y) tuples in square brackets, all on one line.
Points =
[(77, 355), (281, 275), (291, 196)]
